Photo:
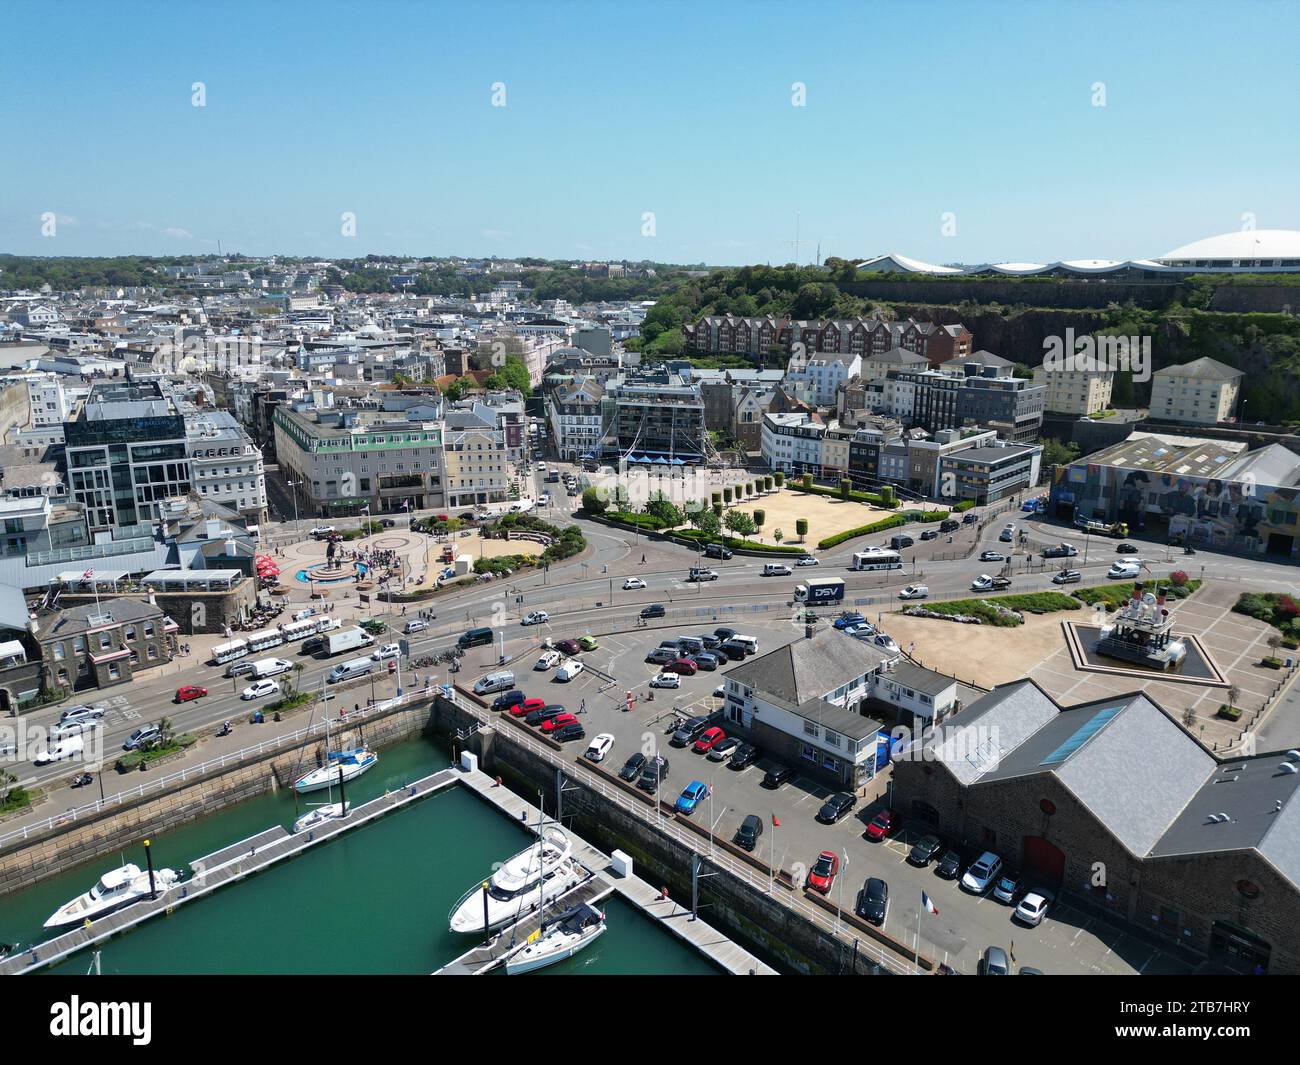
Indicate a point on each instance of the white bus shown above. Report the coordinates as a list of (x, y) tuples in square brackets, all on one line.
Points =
[(228, 652), (876, 558), (260, 641), (328, 624), (298, 630)]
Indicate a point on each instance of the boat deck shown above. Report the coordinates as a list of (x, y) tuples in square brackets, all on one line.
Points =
[(714, 945), (222, 867)]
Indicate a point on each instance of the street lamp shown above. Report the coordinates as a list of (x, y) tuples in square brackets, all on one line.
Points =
[(293, 489)]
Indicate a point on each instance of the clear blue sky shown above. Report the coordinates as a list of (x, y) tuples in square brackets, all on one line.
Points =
[(615, 109)]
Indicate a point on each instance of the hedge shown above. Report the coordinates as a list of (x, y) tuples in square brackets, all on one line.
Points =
[(965, 504), (736, 544), (986, 609), (1115, 594), (870, 498), (891, 522)]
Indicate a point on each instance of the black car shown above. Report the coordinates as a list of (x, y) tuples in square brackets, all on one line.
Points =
[(717, 551), (388, 523), (836, 808), (925, 849), (653, 773), (746, 755), (873, 901), (693, 729), (747, 834), (661, 656), (632, 767), (654, 610), (735, 652), (720, 655), (572, 731), (506, 700), (777, 775), (949, 525), (536, 717), (930, 534), (724, 634), (970, 519), (314, 646), (950, 864), (1122, 549)]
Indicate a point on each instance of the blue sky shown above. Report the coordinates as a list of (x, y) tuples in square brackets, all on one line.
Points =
[(613, 110)]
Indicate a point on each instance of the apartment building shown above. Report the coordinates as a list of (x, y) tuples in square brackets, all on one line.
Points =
[(573, 414), (1011, 405), (1079, 392), (1203, 391), (225, 466), (791, 441), (47, 401), (761, 336), (660, 414), (477, 456)]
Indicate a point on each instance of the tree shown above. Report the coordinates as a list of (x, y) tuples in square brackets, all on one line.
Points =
[(760, 516), (592, 502), (807, 482), (663, 509), (707, 522), (778, 536), (846, 486), (1056, 453), (739, 522), (726, 496), (717, 509), (801, 527), (780, 479)]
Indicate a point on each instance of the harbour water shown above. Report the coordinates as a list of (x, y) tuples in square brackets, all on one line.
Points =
[(375, 900)]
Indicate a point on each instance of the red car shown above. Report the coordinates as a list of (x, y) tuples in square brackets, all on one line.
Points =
[(569, 647), (558, 721), (189, 692), (684, 666), (822, 875), (882, 825), (709, 740), (526, 707)]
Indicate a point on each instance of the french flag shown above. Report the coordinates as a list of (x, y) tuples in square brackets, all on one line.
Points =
[(928, 903)]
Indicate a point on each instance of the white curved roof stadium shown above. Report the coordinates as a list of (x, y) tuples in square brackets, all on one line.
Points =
[(1248, 251)]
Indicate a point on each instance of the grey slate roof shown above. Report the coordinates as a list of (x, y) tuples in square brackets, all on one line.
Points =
[(808, 668)]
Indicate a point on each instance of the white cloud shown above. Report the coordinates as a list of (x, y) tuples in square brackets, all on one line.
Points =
[(181, 234)]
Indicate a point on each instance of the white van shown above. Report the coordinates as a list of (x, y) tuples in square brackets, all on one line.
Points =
[(270, 667), (776, 569), (749, 643), (358, 667), (501, 681), (58, 750)]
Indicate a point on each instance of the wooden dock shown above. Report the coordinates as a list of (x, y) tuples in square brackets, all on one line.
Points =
[(220, 868), (714, 945)]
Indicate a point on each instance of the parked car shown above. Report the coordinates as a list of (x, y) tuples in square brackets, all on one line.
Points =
[(535, 617), (882, 825), (873, 901), (923, 850), (187, 693), (720, 750), (930, 534), (745, 755), (388, 650), (558, 721), (837, 807), (1067, 576), (710, 642), (599, 747), (994, 963), (569, 670), (142, 738), (654, 610), (776, 776), (549, 660), (982, 873), (914, 591), (708, 738), (705, 660), (886, 642), (527, 707), (692, 729), (546, 713), (259, 689), (632, 767), (588, 643), (735, 652), (666, 680), (653, 773), (571, 731), (1033, 908), (723, 633), (569, 647), (684, 666), (506, 700), (239, 669), (949, 865), (1006, 888), (661, 656), (692, 795), (845, 620), (992, 556), (747, 835), (631, 583), (821, 876)]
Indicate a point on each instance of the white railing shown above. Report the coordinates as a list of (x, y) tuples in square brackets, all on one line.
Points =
[(697, 844), (157, 785)]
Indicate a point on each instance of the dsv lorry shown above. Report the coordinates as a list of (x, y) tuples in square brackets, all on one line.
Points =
[(820, 590)]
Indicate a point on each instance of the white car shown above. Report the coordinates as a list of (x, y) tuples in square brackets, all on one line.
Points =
[(633, 582), (322, 530), (982, 583), (887, 642), (549, 660), (666, 680), (982, 872), (536, 617), (992, 556), (388, 650), (599, 747), (1123, 569), (807, 560), (259, 688), (569, 670), (1033, 907), (720, 692), (914, 591)]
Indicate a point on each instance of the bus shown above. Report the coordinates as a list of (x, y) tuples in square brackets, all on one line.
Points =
[(876, 558), (260, 641), (298, 630), (228, 652)]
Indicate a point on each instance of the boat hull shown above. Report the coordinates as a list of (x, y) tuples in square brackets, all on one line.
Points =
[(529, 960), (84, 908), (327, 776)]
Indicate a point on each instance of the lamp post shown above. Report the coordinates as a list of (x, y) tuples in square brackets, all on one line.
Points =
[(293, 489)]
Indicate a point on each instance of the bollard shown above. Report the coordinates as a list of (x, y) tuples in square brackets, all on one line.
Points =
[(498, 783)]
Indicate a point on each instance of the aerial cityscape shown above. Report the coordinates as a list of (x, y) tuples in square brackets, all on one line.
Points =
[(586, 563)]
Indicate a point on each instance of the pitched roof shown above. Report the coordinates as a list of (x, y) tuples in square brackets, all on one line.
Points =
[(1204, 367)]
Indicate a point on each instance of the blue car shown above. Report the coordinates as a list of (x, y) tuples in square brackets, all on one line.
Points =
[(849, 619), (696, 791)]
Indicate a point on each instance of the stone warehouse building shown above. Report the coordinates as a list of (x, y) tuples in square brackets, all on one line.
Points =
[(1112, 803)]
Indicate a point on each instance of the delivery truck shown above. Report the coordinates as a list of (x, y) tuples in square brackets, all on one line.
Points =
[(820, 590), (347, 640)]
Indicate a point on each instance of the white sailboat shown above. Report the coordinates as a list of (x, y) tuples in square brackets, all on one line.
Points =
[(530, 879), (115, 889), (350, 764), (320, 815), (561, 938)]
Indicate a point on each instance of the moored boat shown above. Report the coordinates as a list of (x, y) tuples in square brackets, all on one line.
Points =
[(560, 938), (115, 889)]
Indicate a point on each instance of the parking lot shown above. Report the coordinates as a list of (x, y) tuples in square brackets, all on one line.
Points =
[(1068, 941)]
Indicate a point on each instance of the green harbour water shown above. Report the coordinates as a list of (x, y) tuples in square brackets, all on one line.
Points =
[(375, 900)]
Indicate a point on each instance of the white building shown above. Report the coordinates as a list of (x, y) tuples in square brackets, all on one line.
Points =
[(792, 441), (1204, 391), (1080, 391)]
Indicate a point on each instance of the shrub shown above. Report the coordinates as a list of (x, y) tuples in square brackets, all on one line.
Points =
[(965, 504), (801, 527), (807, 482), (592, 502), (726, 496), (779, 477)]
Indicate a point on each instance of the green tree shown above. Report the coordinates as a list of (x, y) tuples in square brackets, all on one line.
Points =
[(1056, 453), (807, 481), (726, 496), (707, 522), (592, 501), (778, 536), (846, 486), (801, 527), (760, 516), (739, 522), (780, 479), (663, 509)]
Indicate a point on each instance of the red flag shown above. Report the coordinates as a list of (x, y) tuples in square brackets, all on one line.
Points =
[(776, 821)]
